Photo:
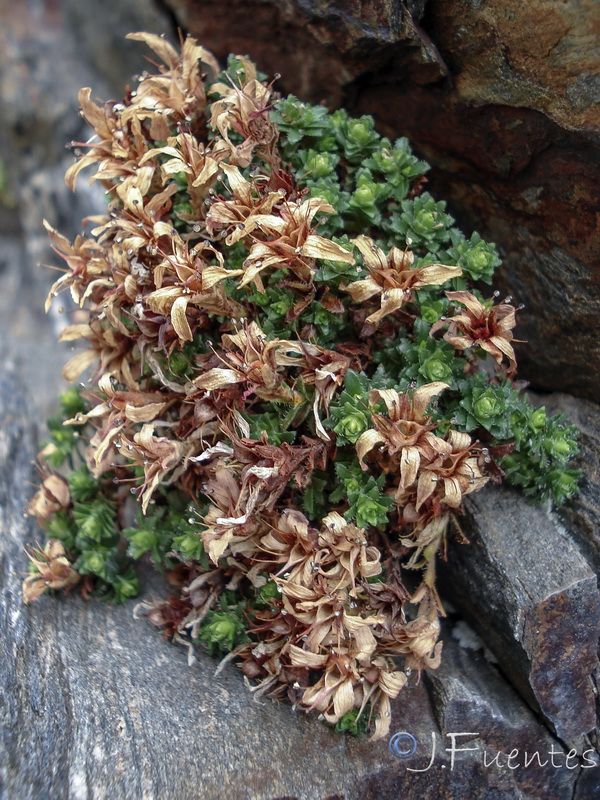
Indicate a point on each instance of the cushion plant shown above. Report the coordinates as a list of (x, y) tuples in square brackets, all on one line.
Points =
[(292, 365)]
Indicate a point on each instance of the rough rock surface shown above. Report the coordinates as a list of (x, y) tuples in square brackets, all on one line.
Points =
[(47, 53), (501, 98), (534, 599)]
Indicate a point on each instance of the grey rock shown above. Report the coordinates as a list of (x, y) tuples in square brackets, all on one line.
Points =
[(48, 51), (532, 597), (470, 695)]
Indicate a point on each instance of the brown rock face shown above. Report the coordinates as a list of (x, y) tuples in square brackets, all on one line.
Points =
[(501, 98)]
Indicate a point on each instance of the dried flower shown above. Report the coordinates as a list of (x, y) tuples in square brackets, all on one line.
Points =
[(488, 328), (53, 570), (392, 277)]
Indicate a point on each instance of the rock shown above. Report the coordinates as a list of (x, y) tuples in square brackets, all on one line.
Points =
[(333, 43), (503, 102), (484, 720), (47, 52), (534, 600), (469, 695)]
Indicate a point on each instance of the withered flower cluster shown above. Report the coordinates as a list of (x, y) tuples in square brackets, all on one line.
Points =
[(313, 475)]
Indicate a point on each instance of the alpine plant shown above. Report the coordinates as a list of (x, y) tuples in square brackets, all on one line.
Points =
[(293, 370)]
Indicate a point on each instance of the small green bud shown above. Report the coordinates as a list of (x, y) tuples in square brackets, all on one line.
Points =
[(368, 510), (268, 592), (424, 222), (558, 446), (94, 562), (429, 314), (479, 260), (538, 419), (358, 131), (352, 485), (223, 628), (486, 407), (352, 426), (434, 369), (321, 166), (365, 196)]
